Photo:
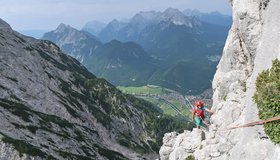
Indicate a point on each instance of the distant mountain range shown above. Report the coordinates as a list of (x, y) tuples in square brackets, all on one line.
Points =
[(94, 27), (175, 51), (212, 17), (118, 62), (136, 29)]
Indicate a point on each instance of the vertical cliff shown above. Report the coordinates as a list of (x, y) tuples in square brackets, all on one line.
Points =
[(253, 42)]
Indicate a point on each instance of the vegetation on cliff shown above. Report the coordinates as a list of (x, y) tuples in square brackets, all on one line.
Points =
[(267, 97)]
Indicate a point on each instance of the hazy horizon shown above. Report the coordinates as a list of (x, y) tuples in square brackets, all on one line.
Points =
[(37, 15)]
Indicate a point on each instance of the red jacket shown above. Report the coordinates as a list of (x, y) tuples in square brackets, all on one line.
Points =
[(199, 111)]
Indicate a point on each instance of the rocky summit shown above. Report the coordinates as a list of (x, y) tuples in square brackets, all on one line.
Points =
[(51, 107), (73, 42), (252, 44)]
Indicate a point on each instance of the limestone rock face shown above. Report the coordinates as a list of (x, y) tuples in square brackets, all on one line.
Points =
[(253, 42), (181, 146), (51, 107)]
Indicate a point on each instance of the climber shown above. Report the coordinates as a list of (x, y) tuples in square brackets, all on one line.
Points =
[(198, 113)]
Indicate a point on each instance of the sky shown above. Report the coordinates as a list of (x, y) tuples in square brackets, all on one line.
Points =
[(48, 14)]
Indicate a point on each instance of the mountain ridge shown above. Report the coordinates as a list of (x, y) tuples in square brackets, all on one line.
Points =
[(169, 38), (67, 37), (93, 27), (51, 107), (122, 63)]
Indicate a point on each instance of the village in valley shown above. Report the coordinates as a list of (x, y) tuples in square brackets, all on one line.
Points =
[(170, 101)]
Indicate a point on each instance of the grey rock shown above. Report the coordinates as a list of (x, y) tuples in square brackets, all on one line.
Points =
[(4, 25), (252, 44), (181, 146), (52, 107)]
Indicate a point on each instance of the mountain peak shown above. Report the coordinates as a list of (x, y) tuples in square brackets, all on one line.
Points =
[(116, 25), (93, 27), (4, 25), (172, 12), (62, 31), (179, 18), (145, 17), (63, 27), (114, 21)]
